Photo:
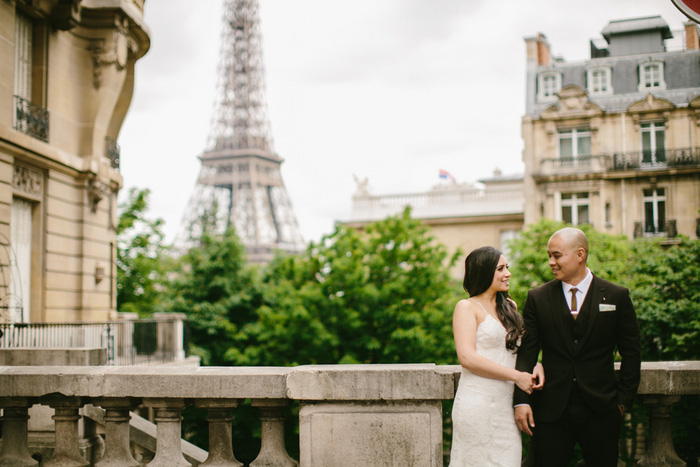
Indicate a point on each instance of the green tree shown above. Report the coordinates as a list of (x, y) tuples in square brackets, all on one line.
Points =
[(217, 290), (383, 295), (142, 256)]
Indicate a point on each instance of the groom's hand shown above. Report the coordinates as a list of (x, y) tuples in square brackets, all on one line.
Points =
[(524, 418)]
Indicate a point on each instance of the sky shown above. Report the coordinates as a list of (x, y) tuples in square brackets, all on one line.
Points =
[(387, 90)]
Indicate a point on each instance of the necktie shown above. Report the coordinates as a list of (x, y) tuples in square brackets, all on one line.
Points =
[(574, 305)]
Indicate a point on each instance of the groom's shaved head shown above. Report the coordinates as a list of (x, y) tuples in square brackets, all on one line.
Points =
[(574, 238)]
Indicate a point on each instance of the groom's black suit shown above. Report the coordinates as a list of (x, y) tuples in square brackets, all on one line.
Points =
[(578, 359)]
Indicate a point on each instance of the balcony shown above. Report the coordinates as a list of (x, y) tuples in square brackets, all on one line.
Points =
[(664, 228), (570, 165), (622, 161), (658, 159), (354, 415), (31, 119)]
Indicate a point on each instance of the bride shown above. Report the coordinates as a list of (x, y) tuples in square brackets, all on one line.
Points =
[(487, 331)]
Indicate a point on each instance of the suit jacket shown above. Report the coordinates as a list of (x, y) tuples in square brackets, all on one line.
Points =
[(580, 351)]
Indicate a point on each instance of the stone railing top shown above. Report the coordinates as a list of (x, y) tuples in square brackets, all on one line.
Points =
[(370, 382), (313, 382)]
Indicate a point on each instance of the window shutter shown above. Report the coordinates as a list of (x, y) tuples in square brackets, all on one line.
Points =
[(23, 56)]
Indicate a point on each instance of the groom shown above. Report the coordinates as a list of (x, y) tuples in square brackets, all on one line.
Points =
[(578, 321)]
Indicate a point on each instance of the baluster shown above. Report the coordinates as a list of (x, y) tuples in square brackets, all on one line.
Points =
[(660, 450), (66, 416), (272, 450), (220, 437), (117, 447), (168, 417), (15, 451)]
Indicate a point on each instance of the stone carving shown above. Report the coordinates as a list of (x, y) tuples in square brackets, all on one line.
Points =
[(96, 192), (573, 103), (28, 181), (362, 186), (117, 56)]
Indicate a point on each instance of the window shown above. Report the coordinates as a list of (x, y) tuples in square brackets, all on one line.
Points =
[(21, 260), (549, 85), (653, 143), (574, 143), (574, 208), (651, 76), (30, 65), (599, 81), (654, 211)]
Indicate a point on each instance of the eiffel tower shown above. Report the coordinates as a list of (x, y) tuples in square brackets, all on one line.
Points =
[(240, 183)]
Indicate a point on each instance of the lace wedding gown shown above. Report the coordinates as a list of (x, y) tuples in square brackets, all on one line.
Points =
[(484, 432)]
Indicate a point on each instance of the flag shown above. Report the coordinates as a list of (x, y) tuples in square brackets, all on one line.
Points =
[(445, 175)]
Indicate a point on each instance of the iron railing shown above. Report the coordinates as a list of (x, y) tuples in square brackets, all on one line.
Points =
[(128, 342), (663, 228), (660, 158), (31, 119)]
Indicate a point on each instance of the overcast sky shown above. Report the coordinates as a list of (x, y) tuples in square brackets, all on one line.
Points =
[(388, 90)]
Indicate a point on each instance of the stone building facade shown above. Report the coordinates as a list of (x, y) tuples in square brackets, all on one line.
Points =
[(614, 141), (460, 215), (66, 83)]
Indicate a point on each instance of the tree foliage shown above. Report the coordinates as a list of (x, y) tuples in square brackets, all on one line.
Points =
[(379, 296), (142, 258), (217, 290)]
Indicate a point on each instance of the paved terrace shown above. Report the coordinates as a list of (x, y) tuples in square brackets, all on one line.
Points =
[(350, 415)]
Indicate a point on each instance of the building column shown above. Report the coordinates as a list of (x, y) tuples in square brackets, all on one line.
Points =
[(220, 436), (168, 417), (660, 450), (273, 453), (67, 450), (117, 447), (15, 451)]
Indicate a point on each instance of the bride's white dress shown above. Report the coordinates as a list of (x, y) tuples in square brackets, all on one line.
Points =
[(484, 432)]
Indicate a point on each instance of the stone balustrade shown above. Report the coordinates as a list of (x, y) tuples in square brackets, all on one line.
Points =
[(381, 415)]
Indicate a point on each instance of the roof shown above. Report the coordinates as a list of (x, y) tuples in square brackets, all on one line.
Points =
[(626, 26)]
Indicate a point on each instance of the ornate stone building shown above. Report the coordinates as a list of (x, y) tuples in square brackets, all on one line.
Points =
[(614, 140), (66, 81)]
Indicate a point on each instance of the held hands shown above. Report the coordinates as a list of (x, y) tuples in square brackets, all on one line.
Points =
[(525, 381), (538, 377)]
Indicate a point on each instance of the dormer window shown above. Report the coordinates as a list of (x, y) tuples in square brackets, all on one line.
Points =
[(651, 76), (599, 81), (548, 85)]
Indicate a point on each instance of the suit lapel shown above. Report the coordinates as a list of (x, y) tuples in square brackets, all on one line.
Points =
[(557, 303), (590, 307)]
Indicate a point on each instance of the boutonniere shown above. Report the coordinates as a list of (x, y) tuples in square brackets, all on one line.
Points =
[(603, 307)]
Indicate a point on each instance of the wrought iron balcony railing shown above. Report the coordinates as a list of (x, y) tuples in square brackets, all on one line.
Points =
[(661, 158), (31, 119), (663, 228)]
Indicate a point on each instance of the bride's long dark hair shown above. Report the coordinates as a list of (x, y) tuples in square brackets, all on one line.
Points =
[(479, 269)]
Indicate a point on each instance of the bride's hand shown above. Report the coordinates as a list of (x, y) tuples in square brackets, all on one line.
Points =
[(538, 374), (524, 381)]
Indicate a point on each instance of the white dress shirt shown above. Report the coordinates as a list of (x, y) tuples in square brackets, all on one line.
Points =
[(582, 289)]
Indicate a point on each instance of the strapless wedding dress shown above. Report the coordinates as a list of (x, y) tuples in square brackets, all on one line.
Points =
[(484, 432)]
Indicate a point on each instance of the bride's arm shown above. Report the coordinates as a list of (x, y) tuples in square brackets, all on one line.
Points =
[(464, 325)]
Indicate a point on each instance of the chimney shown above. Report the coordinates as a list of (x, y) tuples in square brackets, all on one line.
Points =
[(692, 41), (538, 50)]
